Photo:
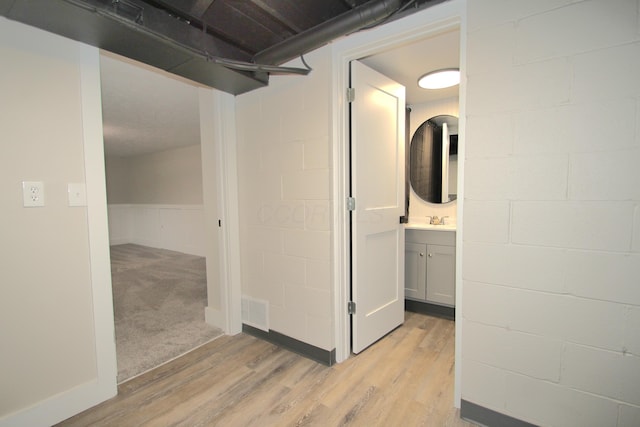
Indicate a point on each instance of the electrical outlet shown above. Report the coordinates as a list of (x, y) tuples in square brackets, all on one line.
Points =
[(32, 193)]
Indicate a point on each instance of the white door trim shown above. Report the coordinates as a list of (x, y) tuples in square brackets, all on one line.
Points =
[(226, 145), (98, 223), (428, 23), (217, 117)]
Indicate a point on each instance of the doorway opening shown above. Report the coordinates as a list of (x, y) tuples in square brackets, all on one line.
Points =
[(431, 222), (153, 166), (421, 27), (404, 65)]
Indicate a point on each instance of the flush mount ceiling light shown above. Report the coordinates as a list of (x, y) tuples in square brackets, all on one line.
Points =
[(440, 79)]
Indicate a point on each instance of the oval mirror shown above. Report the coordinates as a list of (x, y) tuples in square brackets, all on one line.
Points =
[(433, 161)]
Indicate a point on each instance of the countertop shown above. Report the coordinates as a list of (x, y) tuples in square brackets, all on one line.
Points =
[(427, 226)]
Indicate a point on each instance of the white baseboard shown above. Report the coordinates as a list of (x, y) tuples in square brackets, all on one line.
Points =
[(61, 406), (119, 241), (215, 318)]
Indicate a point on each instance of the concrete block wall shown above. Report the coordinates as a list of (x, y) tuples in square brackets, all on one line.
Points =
[(284, 171), (551, 252)]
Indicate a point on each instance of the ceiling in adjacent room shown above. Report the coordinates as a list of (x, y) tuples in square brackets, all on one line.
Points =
[(145, 110), (406, 64)]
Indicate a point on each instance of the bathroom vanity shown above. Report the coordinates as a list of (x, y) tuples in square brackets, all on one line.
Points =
[(430, 260), (430, 241)]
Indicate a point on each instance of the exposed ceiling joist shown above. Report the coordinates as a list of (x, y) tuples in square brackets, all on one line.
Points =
[(219, 43)]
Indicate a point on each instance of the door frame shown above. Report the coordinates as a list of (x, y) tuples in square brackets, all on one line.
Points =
[(421, 25), (218, 147)]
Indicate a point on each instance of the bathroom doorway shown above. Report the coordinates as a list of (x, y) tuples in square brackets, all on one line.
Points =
[(421, 27)]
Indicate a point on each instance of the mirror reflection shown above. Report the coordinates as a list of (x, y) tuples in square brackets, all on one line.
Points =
[(433, 161)]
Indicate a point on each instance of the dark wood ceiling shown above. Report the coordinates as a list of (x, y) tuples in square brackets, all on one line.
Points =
[(231, 45), (254, 25)]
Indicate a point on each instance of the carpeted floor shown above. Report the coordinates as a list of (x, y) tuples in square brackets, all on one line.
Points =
[(159, 300)]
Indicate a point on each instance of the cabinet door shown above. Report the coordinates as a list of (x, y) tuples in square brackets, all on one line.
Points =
[(415, 266), (441, 271)]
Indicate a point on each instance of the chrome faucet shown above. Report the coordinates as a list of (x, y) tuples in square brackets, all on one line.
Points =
[(434, 220)]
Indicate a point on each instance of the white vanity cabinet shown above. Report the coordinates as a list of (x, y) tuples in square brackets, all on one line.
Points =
[(430, 266)]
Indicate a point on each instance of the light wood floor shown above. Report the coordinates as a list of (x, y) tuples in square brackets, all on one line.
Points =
[(405, 379)]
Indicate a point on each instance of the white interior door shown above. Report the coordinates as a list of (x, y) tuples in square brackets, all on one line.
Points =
[(378, 186)]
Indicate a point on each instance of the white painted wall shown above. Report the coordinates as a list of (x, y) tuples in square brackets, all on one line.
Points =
[(54, 358), (552, 212), (418, 208), (165, 177), (156, 200), (173, 227), (284, 187), (118, 179)]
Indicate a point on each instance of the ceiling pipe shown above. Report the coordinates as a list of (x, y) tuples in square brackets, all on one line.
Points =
[(366, 15)]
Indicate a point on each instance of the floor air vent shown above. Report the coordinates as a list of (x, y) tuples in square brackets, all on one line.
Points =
[(255, 313)]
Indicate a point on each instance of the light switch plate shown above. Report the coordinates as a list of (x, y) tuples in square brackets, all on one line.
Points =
[(32, 194), (77, 193)]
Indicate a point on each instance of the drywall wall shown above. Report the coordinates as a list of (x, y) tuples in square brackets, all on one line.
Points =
[(551, 261), (165, 177), (156, 200), (118, 179), (418, 208), (50, 367), (174, 227), (284, 200)]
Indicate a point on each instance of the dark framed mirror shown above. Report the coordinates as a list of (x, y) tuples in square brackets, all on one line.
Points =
[(433, 160)]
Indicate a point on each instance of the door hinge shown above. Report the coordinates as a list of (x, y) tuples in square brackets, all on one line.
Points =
[(351, 94), (351, 307), (351, 204)]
